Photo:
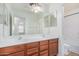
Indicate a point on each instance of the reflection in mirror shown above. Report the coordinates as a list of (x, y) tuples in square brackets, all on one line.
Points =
[(17, 26), (50, 21), (4, 20), (34, 25), (25, 22)]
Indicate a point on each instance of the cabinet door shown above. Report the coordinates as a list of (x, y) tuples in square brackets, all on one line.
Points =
[(17, 54), (32, 49), (44, 48), (53, 48)]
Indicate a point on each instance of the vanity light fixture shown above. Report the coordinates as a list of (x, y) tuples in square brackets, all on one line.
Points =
[(35, 7)]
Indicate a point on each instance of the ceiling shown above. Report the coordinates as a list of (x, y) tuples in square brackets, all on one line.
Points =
[(23, 8), (68, 7)]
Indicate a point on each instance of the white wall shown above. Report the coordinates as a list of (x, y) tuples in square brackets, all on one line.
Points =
[(71, 30), (59, 28)]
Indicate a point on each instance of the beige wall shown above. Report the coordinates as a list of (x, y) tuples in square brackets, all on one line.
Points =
[(69, 7)]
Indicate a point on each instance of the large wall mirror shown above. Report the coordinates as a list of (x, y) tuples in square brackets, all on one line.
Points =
[(17, 26), (4, 20), (50, 20), (27, 23), (30, 25)]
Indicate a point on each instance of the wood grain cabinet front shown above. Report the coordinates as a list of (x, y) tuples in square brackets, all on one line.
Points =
[(32, 52), (53, 47), (11, 49), (44, 53), (45, 42), (41, 48), (55, 40), (44, 48), (32, 45), (32, 49), (21, 53)]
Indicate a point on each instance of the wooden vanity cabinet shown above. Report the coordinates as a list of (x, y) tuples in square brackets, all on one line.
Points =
[(44, 48), (32, 52), (53, 47), (11, 50), (21, 53), (32, 49), (41, 48)]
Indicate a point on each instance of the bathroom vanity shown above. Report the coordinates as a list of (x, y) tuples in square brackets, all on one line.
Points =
[(47, 47), (26, 33)]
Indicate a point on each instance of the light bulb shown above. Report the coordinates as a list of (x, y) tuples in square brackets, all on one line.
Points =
[(36, 9)]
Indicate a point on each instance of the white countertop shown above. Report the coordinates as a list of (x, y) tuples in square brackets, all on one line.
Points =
[(24, 39)]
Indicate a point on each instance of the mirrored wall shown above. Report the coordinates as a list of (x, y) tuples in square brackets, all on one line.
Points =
[(4, 20), (28, 23)]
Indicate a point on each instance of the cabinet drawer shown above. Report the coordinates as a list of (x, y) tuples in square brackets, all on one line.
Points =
[(53, 53), (53, 50), (32, 45), (11, 49), (53, 40), (36, 54), (44, 42), (32, 51), (44, 47), (53, 45), (44, 53), (17, 54)]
